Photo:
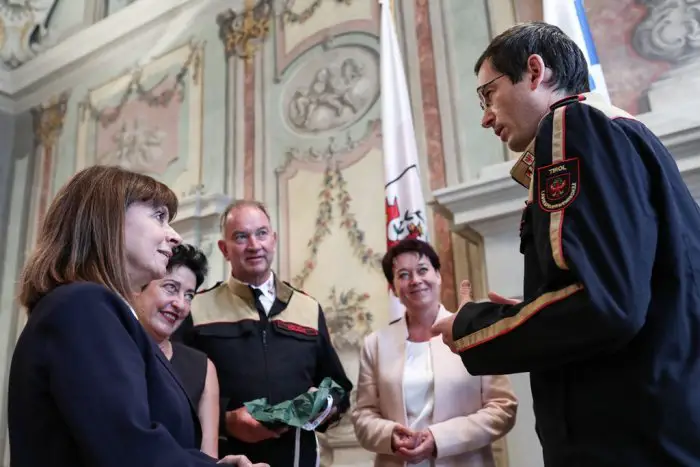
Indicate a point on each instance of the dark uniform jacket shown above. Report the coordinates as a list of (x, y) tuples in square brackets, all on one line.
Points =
[(278, 357), (610, 322)]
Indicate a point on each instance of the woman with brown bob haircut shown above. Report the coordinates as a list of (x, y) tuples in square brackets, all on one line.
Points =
[(88, 387)]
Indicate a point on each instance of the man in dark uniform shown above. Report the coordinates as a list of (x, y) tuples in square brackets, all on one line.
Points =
[(609, 325), (266, 339)]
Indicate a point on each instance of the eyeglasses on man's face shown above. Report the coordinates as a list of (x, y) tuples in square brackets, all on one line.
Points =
[(484, 92)]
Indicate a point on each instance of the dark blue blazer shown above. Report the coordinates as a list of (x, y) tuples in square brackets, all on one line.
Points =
[(88, 387)]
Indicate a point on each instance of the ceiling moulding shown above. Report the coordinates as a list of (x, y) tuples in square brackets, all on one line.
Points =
[(493, 203), (76, 49)]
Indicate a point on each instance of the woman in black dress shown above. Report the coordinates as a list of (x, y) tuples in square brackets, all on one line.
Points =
[(161, 307)]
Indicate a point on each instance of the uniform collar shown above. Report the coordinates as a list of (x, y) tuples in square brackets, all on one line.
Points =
[(585, 96), (524, 166), (279, 289)]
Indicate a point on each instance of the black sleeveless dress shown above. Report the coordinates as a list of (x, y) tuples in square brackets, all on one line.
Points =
[(190, 365)]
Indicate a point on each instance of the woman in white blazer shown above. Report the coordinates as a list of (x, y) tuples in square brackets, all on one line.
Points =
[(416, 403)]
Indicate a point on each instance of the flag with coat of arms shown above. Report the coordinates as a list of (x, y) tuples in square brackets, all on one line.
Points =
[(570, 17), (404, 202)]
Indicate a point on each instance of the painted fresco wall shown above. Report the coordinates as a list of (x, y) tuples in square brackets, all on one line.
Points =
[(284, 108)]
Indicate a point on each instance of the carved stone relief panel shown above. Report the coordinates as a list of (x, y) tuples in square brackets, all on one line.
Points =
[(332, 91), (23, 30)]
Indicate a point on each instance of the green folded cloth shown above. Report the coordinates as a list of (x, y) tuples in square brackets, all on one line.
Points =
[(305, 411)]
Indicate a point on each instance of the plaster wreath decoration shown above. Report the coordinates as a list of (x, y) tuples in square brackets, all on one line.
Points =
[(152, 95)]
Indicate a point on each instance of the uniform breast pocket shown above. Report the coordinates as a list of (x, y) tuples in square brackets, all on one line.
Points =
[(533, 277), (228, 344), (297, 344), (217, 334), (526, 232)]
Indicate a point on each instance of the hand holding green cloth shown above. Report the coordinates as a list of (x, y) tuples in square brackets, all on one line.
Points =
[(300, 412)]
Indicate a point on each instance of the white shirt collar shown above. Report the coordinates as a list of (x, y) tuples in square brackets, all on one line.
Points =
[(267, 287)]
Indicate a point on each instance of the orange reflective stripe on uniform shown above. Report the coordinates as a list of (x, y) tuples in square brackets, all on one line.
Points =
[(509, 323), (556, 218)]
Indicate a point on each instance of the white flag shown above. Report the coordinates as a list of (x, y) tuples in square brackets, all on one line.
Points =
[(570, 17), (405, 206)]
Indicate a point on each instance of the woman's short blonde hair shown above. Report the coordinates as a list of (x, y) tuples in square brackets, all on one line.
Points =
[(82, 234)]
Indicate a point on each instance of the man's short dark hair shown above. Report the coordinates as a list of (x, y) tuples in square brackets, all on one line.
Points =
[(508, 53), (193, 259), (408, 245)]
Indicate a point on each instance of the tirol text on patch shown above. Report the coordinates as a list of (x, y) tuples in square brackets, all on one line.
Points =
[(558, 184)]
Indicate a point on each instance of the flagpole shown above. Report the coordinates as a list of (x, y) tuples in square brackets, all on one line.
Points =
[(403, 195)]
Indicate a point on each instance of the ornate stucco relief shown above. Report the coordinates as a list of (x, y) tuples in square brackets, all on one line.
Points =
[(243, 32), (23, 30), (670, 31), (149, 120), (138, 146), (332, 91)]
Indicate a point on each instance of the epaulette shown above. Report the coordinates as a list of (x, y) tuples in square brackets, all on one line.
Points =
[(210, 288), (296, 289)]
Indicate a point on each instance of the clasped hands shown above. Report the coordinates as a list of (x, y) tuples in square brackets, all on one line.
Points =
[(444, 326), (412, 446)]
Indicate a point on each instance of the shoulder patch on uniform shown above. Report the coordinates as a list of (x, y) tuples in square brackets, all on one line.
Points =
[(210, 288), (558, 185), (521, 171), (295, 328)]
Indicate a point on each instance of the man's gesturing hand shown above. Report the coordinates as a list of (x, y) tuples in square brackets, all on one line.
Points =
[(444, 326)]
